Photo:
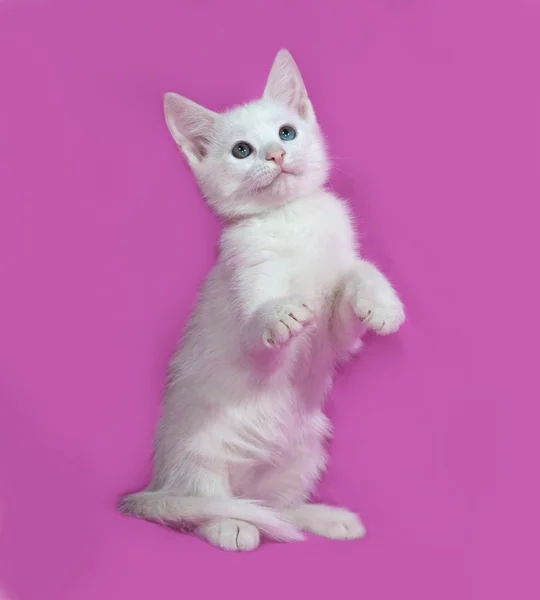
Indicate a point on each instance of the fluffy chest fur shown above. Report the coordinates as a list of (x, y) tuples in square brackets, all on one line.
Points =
[(304, 247)]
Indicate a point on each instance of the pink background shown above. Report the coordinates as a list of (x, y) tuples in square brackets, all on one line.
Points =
[(432, 112)]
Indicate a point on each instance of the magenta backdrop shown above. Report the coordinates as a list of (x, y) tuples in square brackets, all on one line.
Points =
[(432, 113)]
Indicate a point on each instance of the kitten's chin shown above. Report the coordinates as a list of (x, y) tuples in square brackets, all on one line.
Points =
[(283, 189), (288, 186), (279, 183)]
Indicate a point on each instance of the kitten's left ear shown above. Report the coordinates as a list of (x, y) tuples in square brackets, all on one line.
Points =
[(285, 85)]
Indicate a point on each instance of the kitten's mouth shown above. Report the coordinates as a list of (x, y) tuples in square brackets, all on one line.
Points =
[(279, 175), (286, 172)]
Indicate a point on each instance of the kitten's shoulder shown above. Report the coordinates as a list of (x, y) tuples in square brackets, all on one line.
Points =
[(332, 210), (240, 241), (332, 201)]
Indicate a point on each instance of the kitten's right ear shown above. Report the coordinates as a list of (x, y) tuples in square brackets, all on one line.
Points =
[(191, 126)]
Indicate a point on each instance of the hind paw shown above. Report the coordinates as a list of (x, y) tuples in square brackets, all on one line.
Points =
[(328, 521), (230, 534)]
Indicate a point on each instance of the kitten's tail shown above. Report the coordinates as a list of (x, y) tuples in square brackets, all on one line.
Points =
[(170, 508)]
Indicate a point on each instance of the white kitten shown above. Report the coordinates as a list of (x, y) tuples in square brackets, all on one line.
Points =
[(240, 445)]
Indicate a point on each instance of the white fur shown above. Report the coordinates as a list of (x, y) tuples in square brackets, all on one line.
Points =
[(240, 445)]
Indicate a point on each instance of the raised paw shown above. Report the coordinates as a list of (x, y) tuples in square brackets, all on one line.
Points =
[(230, 534), (377, 305), (382, 315), (286, 321), (373, 299)]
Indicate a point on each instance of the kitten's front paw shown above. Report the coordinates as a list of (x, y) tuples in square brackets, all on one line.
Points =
[(286, 321), (382, 312)]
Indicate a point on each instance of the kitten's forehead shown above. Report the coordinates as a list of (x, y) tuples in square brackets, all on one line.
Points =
[(255, 117)]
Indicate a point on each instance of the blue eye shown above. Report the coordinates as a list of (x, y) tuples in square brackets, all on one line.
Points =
[(242, 150), (287, 133)]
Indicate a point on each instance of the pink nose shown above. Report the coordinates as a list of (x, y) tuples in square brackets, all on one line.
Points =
[(276, 154)]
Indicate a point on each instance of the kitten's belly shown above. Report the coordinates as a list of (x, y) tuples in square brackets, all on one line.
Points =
[(268, 443)]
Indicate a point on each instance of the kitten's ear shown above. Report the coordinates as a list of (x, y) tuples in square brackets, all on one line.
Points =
[(285, 85), (191, 126)]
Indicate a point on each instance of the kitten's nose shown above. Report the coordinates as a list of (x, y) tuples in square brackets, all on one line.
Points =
[(276, 154)]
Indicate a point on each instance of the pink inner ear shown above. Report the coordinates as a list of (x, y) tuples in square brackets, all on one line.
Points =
[(190, 124), (200, 145), (285, 82)]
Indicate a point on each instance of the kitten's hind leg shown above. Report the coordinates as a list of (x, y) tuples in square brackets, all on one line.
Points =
[(327, 521)]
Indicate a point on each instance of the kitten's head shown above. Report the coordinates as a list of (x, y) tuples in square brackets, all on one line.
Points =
[(257, 156)]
